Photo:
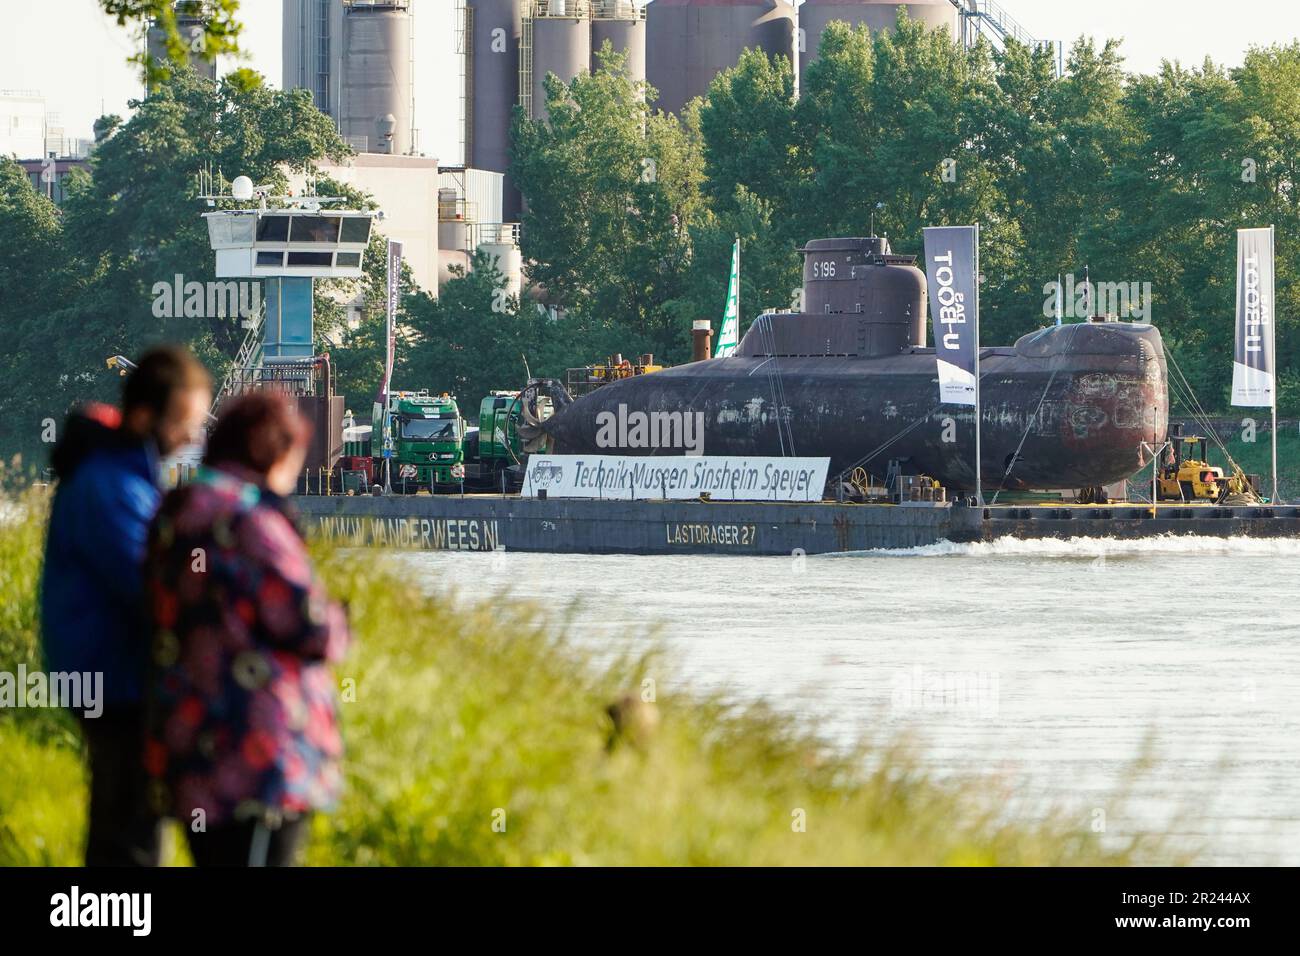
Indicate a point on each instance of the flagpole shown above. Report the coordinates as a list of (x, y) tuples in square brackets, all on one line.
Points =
[(1272, 332), (737, 290), (979, 489)]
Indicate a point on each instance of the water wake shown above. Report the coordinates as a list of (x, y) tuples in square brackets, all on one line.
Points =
[(1096, 547)]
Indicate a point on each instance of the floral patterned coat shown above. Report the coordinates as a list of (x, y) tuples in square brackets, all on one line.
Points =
[(243, 714)]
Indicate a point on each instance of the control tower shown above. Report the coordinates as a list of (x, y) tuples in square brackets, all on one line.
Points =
[(288, 243)]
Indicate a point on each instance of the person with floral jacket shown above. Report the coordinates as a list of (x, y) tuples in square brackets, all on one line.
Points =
[(243, 741)]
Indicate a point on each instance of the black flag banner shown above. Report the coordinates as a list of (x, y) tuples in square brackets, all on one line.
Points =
[(951, 264)]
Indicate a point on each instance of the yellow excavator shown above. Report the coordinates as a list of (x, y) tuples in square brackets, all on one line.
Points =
[(1187, 475)]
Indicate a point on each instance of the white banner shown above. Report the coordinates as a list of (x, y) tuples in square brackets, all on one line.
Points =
[(1252, 368), (625, 477)]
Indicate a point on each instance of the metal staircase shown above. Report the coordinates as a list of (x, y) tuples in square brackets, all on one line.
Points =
[(990, 19), (243, 371)]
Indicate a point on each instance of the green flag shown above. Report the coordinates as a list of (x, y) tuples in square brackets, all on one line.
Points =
[(729, 337)]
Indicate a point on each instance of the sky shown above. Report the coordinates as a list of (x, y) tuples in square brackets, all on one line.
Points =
[(74, 55)]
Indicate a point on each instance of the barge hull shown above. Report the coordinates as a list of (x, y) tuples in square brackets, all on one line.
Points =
[(577, 526)]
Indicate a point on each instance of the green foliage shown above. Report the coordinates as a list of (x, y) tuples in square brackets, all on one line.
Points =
[(1138, 179), (218, 34), (493, 710), (610, 189), (631, 213), (80, 281), (475, 338), (464, 341)]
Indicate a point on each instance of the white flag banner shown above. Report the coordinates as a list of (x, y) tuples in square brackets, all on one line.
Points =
[(950, 266), (1253, 368), (729, 337)]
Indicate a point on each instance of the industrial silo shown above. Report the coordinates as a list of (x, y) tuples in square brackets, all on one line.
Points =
[(492, 88), (376, 109), (191, 21), (312, 43), (622, 23), (689, 42), (556, 39), (816, 15)]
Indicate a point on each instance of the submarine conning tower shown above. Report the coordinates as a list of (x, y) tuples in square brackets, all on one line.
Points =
[(859, 301)]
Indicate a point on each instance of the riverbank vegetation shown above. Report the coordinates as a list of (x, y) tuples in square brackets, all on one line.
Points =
[(481, 735)]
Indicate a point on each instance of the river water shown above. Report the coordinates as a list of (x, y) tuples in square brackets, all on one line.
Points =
[(1139, 686)]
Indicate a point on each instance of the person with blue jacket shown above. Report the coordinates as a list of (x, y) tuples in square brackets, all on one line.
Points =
[(93, 617)]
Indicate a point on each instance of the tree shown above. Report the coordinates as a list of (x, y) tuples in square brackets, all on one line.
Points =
[(135, 222), (33, 274), (468, 341), (217, 34), (894, 129), (610, 190)]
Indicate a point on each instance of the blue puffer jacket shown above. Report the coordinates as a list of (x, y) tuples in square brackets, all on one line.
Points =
[(92, 609)]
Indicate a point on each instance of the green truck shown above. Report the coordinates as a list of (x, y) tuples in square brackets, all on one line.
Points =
[(432, 448), (423, 442), (494, 447)]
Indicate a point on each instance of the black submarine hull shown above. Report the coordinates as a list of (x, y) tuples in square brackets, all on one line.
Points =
[(1067, 407)]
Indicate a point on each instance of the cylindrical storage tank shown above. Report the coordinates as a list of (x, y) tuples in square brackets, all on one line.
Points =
[(816, 15), (509, 260), (620, 22), (376, 76), (492, 77), (191, 22), (453, 234), (689, 42), (561, 45)]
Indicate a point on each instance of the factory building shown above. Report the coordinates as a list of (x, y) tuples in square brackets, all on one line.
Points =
[(357, 58), (376, 108), (312, 48), (816, 15), (510, 48), (689, 42)]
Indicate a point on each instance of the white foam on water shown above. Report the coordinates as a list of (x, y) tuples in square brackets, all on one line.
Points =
[(1093, 547)]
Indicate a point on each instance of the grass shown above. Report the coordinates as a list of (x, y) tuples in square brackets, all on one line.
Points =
[(1256, 458), (482, 736)]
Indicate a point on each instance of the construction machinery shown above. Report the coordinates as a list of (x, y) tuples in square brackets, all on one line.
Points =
[(1187, 475), (581, 381)]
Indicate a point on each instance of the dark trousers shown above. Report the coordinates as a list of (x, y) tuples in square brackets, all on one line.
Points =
[(122, 830), (248, 843)]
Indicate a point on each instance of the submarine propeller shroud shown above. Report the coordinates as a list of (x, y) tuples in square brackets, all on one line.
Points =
[(851, 378)]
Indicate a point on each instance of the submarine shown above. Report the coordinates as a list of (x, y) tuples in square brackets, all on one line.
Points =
[(851, 378)]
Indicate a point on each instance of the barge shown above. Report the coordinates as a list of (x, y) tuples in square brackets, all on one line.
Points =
[(585, 526)]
